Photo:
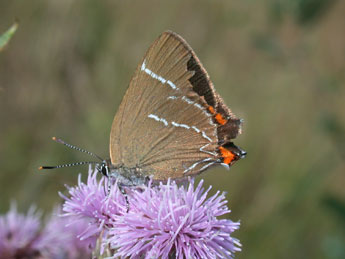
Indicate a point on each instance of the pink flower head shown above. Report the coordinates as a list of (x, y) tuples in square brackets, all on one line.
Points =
[(23, 236), (62, 238), (164, 221), (92, 203), (18, 233), (168, 220)]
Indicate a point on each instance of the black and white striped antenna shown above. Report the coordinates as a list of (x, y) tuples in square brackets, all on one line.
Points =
[(73, 164)]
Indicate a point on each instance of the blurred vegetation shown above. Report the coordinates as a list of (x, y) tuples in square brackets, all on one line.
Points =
[(7, 35), (278, 64)]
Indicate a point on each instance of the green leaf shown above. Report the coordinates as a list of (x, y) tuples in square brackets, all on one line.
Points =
[(6, 36)]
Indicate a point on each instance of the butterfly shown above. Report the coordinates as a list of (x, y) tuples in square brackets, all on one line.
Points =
[(171, 122)]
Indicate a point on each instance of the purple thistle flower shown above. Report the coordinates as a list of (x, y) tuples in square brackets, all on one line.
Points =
[(60, 238), (92, 203), (169, 221), (18, 233), (23, 236), (162, 222)]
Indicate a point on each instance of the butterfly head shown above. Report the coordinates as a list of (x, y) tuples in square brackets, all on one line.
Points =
[(104, 168)]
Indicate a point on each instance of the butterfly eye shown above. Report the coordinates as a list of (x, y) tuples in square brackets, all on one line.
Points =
[(104, 170)]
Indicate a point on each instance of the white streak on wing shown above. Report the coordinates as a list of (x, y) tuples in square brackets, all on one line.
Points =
[(173, 86), (205, 136), (143, 65), (196, 129), (180, 125), (207, 152), (187, 100), (158, 77), (206, 166), (156, 118), (176, 124), (195, 164), (199, 106)]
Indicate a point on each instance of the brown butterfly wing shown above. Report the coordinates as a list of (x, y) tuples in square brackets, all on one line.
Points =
[(161, 124)]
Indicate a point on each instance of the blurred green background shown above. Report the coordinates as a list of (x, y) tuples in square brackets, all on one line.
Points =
[(280, 65)]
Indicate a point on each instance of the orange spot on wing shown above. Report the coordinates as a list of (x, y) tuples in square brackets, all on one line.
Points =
[(211, 109), (227, 155), (220, 119)]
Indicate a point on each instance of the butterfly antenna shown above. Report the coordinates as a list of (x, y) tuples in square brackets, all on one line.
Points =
[(68, 165), (76, 148)]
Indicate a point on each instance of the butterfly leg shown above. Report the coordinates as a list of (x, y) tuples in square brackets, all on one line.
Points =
[(123, 191), (121, 188)]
